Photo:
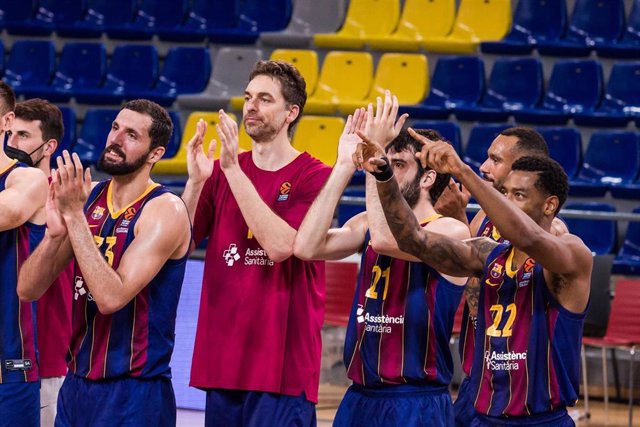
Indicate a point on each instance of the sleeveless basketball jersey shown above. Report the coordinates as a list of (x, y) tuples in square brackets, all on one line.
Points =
[(466, 345), (528, 358), (17, 319), (400, 323), (137, 340)]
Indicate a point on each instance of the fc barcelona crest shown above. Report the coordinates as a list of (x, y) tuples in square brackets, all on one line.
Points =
[(496, 271), (97, 212)]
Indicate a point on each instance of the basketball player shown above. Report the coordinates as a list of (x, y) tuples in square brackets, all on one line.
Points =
[(396, 351), (35, 134), (534, 290), (258, 342), (124, 310), (23, 192)]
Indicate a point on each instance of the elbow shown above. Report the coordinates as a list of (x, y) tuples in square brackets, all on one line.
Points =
[(302, 251), (279, 254), (383, 246), (109, 306), (26, 295)]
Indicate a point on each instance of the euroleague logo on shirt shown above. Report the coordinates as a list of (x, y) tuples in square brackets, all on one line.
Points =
[(283, 192), (377, 323)]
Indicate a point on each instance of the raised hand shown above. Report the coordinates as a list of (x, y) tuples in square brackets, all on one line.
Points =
[(228, 134), (453, 200), (199, 164), (71, 184), (438, 155), (56, 227), (382, 127), (349, 139)]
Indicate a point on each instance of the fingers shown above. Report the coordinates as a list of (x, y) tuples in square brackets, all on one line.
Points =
[(212, 149), (376, 164), (400, 123), (77, 165), (421, 139), (87, 178), (387, 107), (379, 107), (348, 126)]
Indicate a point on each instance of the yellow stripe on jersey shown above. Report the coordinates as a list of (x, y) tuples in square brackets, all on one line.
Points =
[(115, 215), (11, 163)]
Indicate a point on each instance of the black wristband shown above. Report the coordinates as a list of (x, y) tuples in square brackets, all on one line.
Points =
[(386, 173)]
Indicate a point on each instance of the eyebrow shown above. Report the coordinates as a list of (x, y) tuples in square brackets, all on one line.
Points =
[(246, 92), (127, 129), (22, 132)]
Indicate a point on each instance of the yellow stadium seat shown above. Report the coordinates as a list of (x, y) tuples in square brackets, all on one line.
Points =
[(364, 18), (306, 61), (318, 136), (477, 21), (178, 164), (344, 76), (406, 75), (420, 19)]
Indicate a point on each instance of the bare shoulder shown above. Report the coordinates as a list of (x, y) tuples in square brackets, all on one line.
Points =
[(558, 227), (26, 177), (474, 226), (166, 207), (576, 244), (449, 227)]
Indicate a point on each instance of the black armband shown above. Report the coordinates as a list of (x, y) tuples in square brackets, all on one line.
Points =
[(386, 172)]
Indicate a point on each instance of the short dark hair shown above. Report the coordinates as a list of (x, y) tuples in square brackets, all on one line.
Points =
[(49, 115), (530, 142), (8, 97), (552, 179), (404, 142), (161, 125), (294, 88)]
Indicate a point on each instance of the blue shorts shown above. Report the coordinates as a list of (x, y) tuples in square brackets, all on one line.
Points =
[(463, 408), (239, 408), (557, 418), (403, 406), (20, 404), (119, 402)]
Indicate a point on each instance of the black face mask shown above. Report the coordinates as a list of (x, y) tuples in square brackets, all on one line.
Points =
[(22, 156)]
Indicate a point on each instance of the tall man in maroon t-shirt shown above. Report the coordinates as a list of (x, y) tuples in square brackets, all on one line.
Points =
[(35, 134), (258, 343)]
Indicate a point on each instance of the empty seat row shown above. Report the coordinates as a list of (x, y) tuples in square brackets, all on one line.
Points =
[(594, 25), (84, 73), (232, 21)]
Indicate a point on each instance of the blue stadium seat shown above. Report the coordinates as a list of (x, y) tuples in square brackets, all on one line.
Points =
[(575, 86), (204, 16), (99, 15), (627, 46), (345, 212), (592, 21), (176, 78), (514, 84), (31, 64), (457, 81), (82, 67), (565, 147), (480, 139), (1, 58), (151, 17), (628, 259), (449, 131), (93, 135), (621, 100), (45, 16), (69, 137), (533, 21), (256, 16), (133, 68), (18, 14), (174, 143), (598, 235), (612, 159)]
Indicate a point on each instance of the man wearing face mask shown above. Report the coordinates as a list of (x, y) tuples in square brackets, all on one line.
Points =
[(35, 134), (23, 192)]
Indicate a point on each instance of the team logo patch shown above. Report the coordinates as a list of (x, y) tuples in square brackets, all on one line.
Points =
[(283, 193), (528, 265), (97, 212), (130, 213), (496, 271), (231, 255)]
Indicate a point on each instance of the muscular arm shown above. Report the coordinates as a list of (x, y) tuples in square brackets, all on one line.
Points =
[(23, 198), (191, 195), (162, 232)]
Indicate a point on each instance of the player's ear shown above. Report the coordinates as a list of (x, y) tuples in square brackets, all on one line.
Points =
[(551, 205), (156, 154), (428, 179), (7, 120)]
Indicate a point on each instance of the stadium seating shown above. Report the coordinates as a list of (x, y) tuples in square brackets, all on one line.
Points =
[(628, 259), (93, 135), (514, 84), (621, 100), (152, 16), (364, 18), (448, 130), (612, 159), (592, 21), (598, 235), (31, 64), (69, 137), (99, 15), (476, 21), (405, 75), (133, 68), (627, 46), (565, 147), (420, 19), (1, 58), (344, 75), (174, 143), (308, 18), (45, 16), (575, 86), (480, 139), (16, 13), (82, 67), (231, 68), (457, 81), (346, 211), (533, 21), (319, 136)]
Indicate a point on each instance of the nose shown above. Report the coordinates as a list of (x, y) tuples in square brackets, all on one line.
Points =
[(484, 167), (115, 137), (250, 104)]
